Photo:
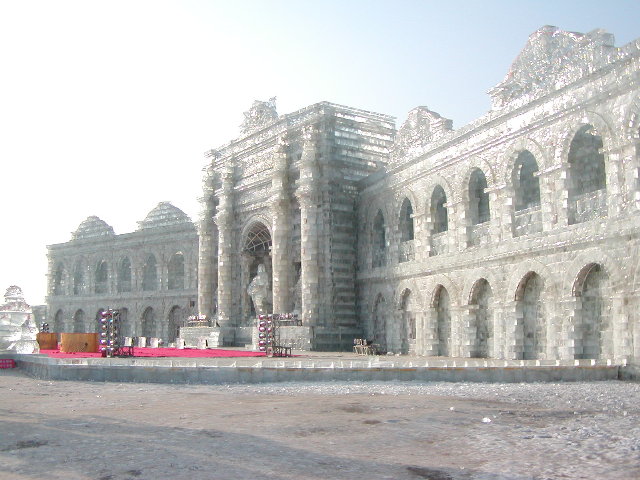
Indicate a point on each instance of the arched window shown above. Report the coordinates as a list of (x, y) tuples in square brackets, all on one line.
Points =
[(406, 252), (58, 322), (176, 272), (256, 254), (124, 276), (439, 215), (526, 184), (58, 281), (442, 305), (78, 279), (483, 318), (587, 177), (531, 324), (148, 323), (439, 222), (102, 278), (408, 325), (378, 241), (586, 162), (149, 274), (380, 323), (478, 198), (406, 221), (592, 292), (78, 322), (126, 329), (176, 317), (258, 239)]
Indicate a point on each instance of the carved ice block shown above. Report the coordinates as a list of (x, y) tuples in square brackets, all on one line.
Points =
[(215, 339)]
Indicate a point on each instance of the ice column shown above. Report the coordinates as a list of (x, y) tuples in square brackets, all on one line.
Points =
[(307, 194), (224, 219), (280, 209), (207, 270)]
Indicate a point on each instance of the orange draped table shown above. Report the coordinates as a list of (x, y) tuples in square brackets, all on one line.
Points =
[(47, 341), (79, 342)]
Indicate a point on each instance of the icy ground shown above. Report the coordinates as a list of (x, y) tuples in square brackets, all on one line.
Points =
[(436, 431)]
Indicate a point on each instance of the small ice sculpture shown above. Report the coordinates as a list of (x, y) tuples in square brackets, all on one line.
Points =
[(18, 329)]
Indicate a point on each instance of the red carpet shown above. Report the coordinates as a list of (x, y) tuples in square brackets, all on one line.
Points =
[(162, 352)]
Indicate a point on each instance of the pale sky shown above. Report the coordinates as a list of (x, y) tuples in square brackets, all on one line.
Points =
[(107, 107)]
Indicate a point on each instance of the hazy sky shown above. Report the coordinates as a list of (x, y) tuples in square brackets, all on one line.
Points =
[(106, 107)]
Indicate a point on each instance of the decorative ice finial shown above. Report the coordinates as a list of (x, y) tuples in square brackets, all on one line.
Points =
[(259, 115), (421, 128), (551, 59)]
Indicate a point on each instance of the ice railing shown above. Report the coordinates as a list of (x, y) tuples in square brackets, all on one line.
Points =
[(406, 251), (588, 206), (479, 234), (527, 221), (439, 244)]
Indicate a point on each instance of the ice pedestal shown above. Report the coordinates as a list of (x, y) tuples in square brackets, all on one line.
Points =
[(192, 335)]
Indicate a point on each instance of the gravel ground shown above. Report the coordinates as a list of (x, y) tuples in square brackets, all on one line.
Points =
[(436, 431)]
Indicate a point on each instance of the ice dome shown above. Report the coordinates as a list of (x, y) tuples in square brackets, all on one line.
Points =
[(92, 227), (164, 215)]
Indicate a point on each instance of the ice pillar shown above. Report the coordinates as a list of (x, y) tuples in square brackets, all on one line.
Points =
[(281, 233), (224, 219), (307, 194)]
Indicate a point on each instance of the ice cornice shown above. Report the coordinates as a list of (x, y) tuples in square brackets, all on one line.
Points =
[(293, 121)]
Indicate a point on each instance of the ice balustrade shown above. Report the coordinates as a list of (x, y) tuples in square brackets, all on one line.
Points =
[(439, 244), (479, 234), (588, 206), (527, 221), (406, 251)]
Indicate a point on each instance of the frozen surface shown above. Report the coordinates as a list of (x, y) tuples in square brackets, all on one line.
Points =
[(436, 431)]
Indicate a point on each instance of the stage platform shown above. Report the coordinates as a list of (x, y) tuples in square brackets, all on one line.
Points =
[(316, 367), (162, 352)]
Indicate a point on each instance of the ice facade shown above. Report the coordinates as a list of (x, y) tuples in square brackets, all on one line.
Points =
[(281, 200), (525, 222), (149, 275), (514, 237)]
